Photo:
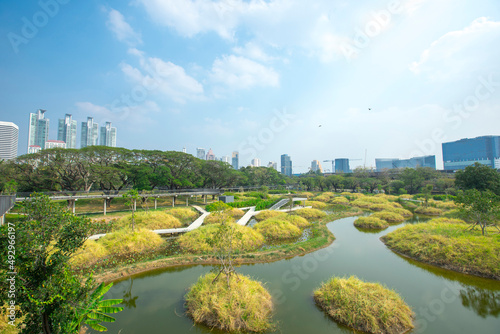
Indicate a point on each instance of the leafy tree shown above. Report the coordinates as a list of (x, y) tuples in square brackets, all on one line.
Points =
[(396, 186), (480, 208), (427, 193), (480, 177), (412, 179)]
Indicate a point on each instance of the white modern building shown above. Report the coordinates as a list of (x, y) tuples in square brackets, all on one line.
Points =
[(9, 137), (316, 166), (90, 133), (200, 153), (54, 144), (34, 149), (255, 162), (66, 131), (108, 135), (272, 164), (38, 131)]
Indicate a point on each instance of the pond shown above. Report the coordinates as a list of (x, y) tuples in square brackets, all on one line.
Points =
[(443, 301)]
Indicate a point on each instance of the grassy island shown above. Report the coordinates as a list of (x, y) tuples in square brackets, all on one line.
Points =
[(244, 305), (371, 223), (450, 246), (277, 229), (389, 216), (368, 307)]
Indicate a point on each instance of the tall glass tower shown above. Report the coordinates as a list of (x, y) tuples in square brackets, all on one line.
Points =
[(38, 131), (235, 160), (9, 135), (108, 135), (286, 165), (90, 133), (66, 131)]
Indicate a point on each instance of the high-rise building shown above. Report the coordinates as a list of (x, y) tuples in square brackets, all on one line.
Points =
[(66, 131), (90, 133), (184, 149), (465, 152), (38, 131), (108, 135), (255, 162), (54, 144), (210, 155), (316, 166), (34, 149), (9, 137), (225, 159), (272, 164), (286, 165), (200, 153), (426, 161), (235, 159), (342, 166)]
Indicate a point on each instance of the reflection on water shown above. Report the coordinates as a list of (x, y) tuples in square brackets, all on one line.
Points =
[(129, 301), (485, 303)]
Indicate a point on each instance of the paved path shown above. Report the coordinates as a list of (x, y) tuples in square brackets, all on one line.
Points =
[(247, 216)]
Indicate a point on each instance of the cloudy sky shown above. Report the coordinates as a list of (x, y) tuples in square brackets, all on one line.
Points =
[(319, 79)]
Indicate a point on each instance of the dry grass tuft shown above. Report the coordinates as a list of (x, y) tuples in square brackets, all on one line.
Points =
[(277, 229), (371, 223), (310, 214), (151, 220), (316, 204), (428, 211), (389, 216), (263, 215), (90, 253), (125, 241), (183, 214)]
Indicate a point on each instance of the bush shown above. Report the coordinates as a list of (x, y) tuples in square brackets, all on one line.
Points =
[(266, 214), (245, 306), (183, 214), (446, 205), (316, 204), (340, 200), (310, 214), (361, 203), (295, 220), (215, 219), (370, 223), (367, 307), (403, 212), (388, 216), (322, 198), (307, 194), (428, 211), (151, 220), (126, 241), (277, 229), (197, 241), (87, 255)]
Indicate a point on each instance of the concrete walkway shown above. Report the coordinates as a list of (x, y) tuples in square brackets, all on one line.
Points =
[(247, 216)]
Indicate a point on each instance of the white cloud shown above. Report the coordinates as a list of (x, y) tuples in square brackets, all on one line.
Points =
[(156, 76), (237, 72), (461, 54), (122, 30), (253, 51)]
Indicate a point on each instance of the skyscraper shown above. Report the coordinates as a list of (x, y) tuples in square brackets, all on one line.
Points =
[(235, 159), (342, 166), (108, 135), (9, 136), (66, 131), (225, 159), (465, 152), (255, 162), (426, 161), (200, 153), (272, 164), (316, 166), (210, 155), (286, 165), (38, 131), (90, 133)]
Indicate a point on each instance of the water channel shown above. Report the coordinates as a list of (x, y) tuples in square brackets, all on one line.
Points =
[(443, 301)]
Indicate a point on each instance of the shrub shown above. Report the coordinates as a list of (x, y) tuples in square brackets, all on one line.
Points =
[(126, 241), (310, 213), (183, 214), (245, 306), (403, 212), (316, 204), (322, 198), (237, 213), (361, 203), (388, 216), (307, 194), (215, 219), (151, 220), (90, 253), (197, 241), (428, 211), (266, 214), (405, 196), (371, 223), (446, 205), (340, 200), (277, 229), (367, 307)]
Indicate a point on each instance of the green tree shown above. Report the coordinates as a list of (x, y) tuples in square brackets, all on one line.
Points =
[(480, 177), (479, 208), (412, 179), (427, 193)]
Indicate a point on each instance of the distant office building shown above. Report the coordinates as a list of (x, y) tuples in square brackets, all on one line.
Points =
[(90, 133), (210, 155), (54, 144), (9, 137), (225, 159), (34, 149), (200, 153), (184, 149), (66, 131), (235, 159), (38, 131), (272, 164), (342, 166), (426, 161), (465, 152), (316, 166), (286, 165), (108, 135), (255, 162)]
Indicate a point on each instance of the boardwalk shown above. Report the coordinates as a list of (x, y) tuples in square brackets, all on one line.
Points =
[(247, 216)]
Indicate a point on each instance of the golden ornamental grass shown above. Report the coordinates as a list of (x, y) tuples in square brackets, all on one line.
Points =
[(277, 229), (370, 223)]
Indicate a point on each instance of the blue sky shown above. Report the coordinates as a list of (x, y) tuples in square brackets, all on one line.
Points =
[(261, 77)]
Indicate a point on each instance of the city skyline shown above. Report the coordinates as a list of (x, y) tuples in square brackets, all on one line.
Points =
[(330, 80)]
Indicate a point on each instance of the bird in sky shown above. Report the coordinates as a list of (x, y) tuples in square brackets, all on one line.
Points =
[(319, 126), (369, 108)]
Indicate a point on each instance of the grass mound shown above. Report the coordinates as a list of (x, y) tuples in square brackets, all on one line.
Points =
[(215, 219), (316, 204), (126, 241), (403, 212), (263, 215), (183, 214), (90, 252), (428, 211), (389, 216), (277, 229), (447, 220), (371, 223), (196, 241), (322, 198), (450, 246), (310, 214), (298, 221), (245, 306), (446, 205), (381, 207), (151, 220), (340, 200), (307, 194), (237, 213), (368, 307)]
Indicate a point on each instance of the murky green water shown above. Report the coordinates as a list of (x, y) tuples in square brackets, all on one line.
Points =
[(443, 301)]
